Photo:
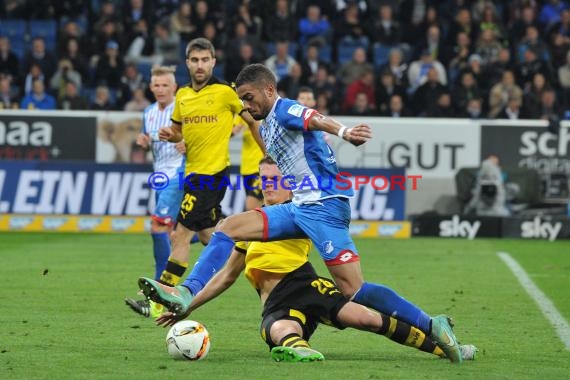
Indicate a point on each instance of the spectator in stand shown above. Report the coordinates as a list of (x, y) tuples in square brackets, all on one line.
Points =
[(443, 107), (531, 65), (253, 23), (323, 104), (166, 44), (429, 19), (561, 27), (71, 100), (130, 80), (201, 16), (418, 72), (281, 62), (458, 57), (325, 84), (550, 12), (35, 73), (234, 65), (397, 67), (474, 109), (511, 111), (503, 92), (110, 66), (65, 73), (397, 108), (490, 21), (102, 101), (426, 97), (181, 21), (9, 62), (135, 10), (549, 107), (364, 84), (240, 38), (352, 70), (432, 44), (464, 92), (217, 39), (476, 68), (107, 12), (532, 41), (314, 27), (462, 23), (139, 102), (349, 28), (289, 85), (141, 47), (310, 64), (494, 73), (39, 55), (488, 48), (361, 106), (163, 8), (71, 30), (306, 97), (558, 48), (519, 27), (110, 31), (412, 14), (564, 80), (532, 96), (72, 52), (8, 99), (38, 98), (386, 88), (281, 24), (384, 29)]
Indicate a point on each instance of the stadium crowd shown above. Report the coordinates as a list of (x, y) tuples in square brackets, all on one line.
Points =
[(448, 58)]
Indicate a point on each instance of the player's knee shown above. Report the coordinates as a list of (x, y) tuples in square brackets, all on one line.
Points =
[(281, 328)]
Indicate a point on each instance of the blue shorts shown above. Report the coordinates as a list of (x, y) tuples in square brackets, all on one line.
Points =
[(325, 223), (168, 202)]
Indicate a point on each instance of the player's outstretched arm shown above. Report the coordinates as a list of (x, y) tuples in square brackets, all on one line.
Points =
[(254, 127), (221, 281), (356, 135)]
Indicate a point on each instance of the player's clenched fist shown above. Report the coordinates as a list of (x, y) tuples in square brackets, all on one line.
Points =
[(165, 133)]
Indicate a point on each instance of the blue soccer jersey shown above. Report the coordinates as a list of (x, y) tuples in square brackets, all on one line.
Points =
[(302, 155), (166, 158)]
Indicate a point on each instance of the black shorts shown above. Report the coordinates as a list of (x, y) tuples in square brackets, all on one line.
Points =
[(252, 185), (201, 206), (305, 297)]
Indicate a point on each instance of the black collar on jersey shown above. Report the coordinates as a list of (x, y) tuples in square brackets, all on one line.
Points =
[(212, 80)]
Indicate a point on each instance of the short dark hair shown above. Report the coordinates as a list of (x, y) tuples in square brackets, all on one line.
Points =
[(306, 89), (200, 44), (267, 161), (256, 73)]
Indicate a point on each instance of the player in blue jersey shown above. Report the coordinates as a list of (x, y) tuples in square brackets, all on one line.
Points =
[(168, 158), (293, 137)]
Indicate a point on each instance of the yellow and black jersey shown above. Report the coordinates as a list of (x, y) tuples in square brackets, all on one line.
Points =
[(251, 153), (207, 118), (282, 256)]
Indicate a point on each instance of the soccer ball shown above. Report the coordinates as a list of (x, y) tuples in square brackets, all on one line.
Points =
[(188, 340)]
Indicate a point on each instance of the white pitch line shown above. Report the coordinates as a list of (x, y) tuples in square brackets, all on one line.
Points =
[(544, 303)]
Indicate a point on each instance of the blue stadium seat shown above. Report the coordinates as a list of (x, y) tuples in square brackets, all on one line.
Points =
[(144, 68), (381, 54), (16, 31), (13, 28), (344, 53), (182, 47), (47, 29), (219, 70), (181, 74)]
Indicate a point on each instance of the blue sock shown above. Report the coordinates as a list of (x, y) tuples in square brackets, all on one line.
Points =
[(387, 301), (211, 260), (195, 239), (161, 250)]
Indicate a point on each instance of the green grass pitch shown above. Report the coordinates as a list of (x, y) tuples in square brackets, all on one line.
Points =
[(71, 323)]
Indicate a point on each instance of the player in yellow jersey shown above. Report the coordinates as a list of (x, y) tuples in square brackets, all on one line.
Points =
[(251, 154), (295, 298), (203, 116)]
